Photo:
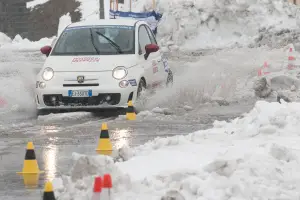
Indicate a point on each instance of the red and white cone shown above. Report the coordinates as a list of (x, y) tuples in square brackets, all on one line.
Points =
[(97, 188), (107, 186), (264, 70), (291, 60)]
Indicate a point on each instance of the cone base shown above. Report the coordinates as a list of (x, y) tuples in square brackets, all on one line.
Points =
[(103, 152), (130, 116), (38, 172), (104, 145)]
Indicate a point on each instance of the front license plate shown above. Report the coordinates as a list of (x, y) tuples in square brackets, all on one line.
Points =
[(80, 93)]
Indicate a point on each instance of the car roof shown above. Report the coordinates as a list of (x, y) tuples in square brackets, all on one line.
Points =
[(117, 22)]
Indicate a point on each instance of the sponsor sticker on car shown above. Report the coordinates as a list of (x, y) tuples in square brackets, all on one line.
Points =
[(85, 59), (154, 66), (132, 82)]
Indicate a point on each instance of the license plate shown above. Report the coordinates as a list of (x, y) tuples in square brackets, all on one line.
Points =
[(80, 93)]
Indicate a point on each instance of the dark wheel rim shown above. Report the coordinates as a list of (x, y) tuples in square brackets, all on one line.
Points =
[(140, 89), (170, 78)]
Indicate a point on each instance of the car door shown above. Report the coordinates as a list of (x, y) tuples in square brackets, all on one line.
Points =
[(149, 64), (162, 68)]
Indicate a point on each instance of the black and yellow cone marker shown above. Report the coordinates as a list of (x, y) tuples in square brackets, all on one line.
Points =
[(31, 180), (48, 192), (104, 144), (130, 114), (30, 165)]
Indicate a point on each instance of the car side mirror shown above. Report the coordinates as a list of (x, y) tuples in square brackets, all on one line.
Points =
[(46, 50), (150, 48)]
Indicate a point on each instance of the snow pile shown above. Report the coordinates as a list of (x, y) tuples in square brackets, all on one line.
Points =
[(64, 21), (32, 4), (4, 39), (19, 43), (225, 23), (90, 9), (255, 156)]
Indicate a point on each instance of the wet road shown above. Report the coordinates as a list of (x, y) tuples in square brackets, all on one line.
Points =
[(56, 137)]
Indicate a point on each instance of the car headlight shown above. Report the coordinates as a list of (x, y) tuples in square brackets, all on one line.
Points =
[(119, 72), (48, 74)]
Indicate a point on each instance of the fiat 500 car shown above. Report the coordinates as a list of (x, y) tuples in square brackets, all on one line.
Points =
[(100, 64)]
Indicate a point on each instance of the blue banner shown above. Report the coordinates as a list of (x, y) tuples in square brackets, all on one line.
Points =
[(152, 18)]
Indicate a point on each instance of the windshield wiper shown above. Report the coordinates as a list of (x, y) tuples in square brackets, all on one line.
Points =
[(117, 47), (93, 42)]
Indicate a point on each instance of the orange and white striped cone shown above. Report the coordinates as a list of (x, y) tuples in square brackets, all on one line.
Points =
[(291, 60)]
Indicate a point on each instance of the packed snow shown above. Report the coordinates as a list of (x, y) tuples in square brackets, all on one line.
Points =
[(19, 43), (32, 4), (252, 157), (64, 21), (226, 23), (90, 9), (4, 39)]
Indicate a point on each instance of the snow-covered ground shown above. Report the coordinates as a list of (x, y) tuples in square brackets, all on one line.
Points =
[(23, 44), (253, 157)]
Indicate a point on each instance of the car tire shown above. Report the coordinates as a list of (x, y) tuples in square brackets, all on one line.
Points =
[(42, 112), (170, 79), (141, 87)]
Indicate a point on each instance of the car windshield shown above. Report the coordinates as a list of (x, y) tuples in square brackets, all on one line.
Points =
[(93, 40)]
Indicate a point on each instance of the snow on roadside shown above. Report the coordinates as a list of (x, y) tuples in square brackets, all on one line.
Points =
[(64, 21), (89, 9), (209, 24), (19, 43), (254, 156), (32, 4), (4, 39)]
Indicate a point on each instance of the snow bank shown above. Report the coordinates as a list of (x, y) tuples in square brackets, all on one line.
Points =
[(254, 156), (64, 21), (18, 43), (32, 4), (224, 23), (4, 39), (90, 9)]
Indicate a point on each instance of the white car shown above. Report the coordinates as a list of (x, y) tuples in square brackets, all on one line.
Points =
[(100, 64)]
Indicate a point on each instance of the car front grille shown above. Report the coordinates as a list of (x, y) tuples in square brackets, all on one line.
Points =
[(81, 85), (81, 101)]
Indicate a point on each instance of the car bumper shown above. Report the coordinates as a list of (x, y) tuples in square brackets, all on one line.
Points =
[(119, 98)]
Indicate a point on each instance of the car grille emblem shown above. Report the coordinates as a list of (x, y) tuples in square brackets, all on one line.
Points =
[(80, 79)]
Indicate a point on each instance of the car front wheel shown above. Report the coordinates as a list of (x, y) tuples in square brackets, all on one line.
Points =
[(170, 79), (141, 88)]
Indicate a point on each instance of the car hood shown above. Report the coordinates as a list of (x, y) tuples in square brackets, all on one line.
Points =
[(89, 63)]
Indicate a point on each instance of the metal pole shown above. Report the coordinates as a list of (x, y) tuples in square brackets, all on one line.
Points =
[(101, 9)]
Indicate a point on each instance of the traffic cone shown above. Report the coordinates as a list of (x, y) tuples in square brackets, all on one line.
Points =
[(130, 114), (48, 192), (30, 163), (107, 186), (31, 180), (2, 102), (291, 59), (97, 188), (264, 70), (104, 144)]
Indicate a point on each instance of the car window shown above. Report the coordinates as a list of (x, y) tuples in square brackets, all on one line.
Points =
[(107, 40), (144, 39), (152, 38)]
